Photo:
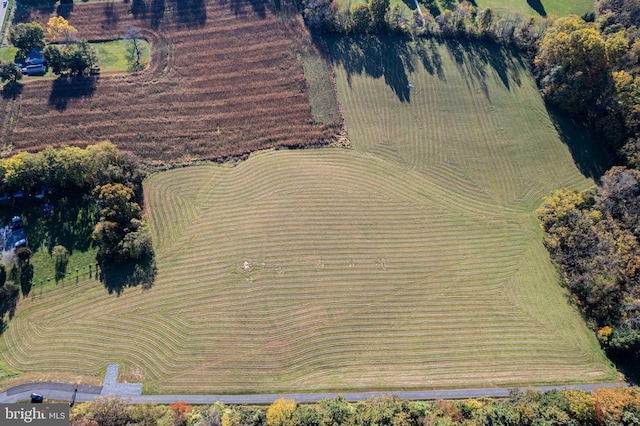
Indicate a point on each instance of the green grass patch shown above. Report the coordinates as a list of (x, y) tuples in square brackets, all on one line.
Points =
[(6, 372), (70, 224), (539, 7), (113, 56), (322, 97), (8, 54), (525, 7)]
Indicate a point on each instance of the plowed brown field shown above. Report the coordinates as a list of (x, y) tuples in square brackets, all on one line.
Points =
[(224, 80)]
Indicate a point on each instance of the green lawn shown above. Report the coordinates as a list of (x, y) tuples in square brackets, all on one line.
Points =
[(540, 7), (70, 224), (413, 260), (112, 55)]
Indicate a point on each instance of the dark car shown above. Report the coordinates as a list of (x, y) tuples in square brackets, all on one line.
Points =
[(34, 70), (36, 398)]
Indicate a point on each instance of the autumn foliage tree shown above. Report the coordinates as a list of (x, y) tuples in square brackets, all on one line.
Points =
[(180, 412), (572, 63), (594, 237), (281, 413), (59, 29), (121, 234)]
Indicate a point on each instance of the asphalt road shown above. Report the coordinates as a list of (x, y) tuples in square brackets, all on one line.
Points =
[(4, 9), (64, 392)]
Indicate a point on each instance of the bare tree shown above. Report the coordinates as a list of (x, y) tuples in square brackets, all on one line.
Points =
[(133, 35)]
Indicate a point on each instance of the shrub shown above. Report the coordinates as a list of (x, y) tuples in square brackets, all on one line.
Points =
[(582, 406)]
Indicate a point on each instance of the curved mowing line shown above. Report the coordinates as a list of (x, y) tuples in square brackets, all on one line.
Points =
[(375, 275)]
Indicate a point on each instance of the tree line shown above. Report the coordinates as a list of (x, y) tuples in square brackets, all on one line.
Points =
[(615, 406), (589, 68)]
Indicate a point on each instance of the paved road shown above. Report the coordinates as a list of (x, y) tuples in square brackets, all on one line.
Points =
[(4, 9), (64, 392)]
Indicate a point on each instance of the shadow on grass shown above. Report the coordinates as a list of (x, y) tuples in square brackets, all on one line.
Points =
[(395, 58), (64, 89), (26, 278), (390, 58), (590, 157), (117, 276), (538, 7)]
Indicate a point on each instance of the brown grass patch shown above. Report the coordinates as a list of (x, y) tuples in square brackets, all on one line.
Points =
[(224, 80)]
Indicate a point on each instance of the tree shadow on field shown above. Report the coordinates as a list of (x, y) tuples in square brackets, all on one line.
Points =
[(12, 90), (157, 12), (191, 12), (26, 279), (390, 58), (474, 61), (111, 16), (395, 58), (239, 6), (538, 7), (117, 276), (627, 365), (64, 89), (24, 12), (64, 9), (589, 156), (138, 9)]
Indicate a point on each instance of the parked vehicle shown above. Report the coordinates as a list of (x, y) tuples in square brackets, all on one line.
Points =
[(32, 70)]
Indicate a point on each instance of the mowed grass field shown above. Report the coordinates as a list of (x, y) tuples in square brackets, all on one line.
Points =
[(413, 260), (224, 79), (539, 7), (525, 7)]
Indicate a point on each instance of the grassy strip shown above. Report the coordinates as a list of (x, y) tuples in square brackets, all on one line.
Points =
[(540, 7), (324, 105)]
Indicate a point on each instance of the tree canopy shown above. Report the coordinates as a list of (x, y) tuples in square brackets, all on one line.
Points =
[(27, 37)]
